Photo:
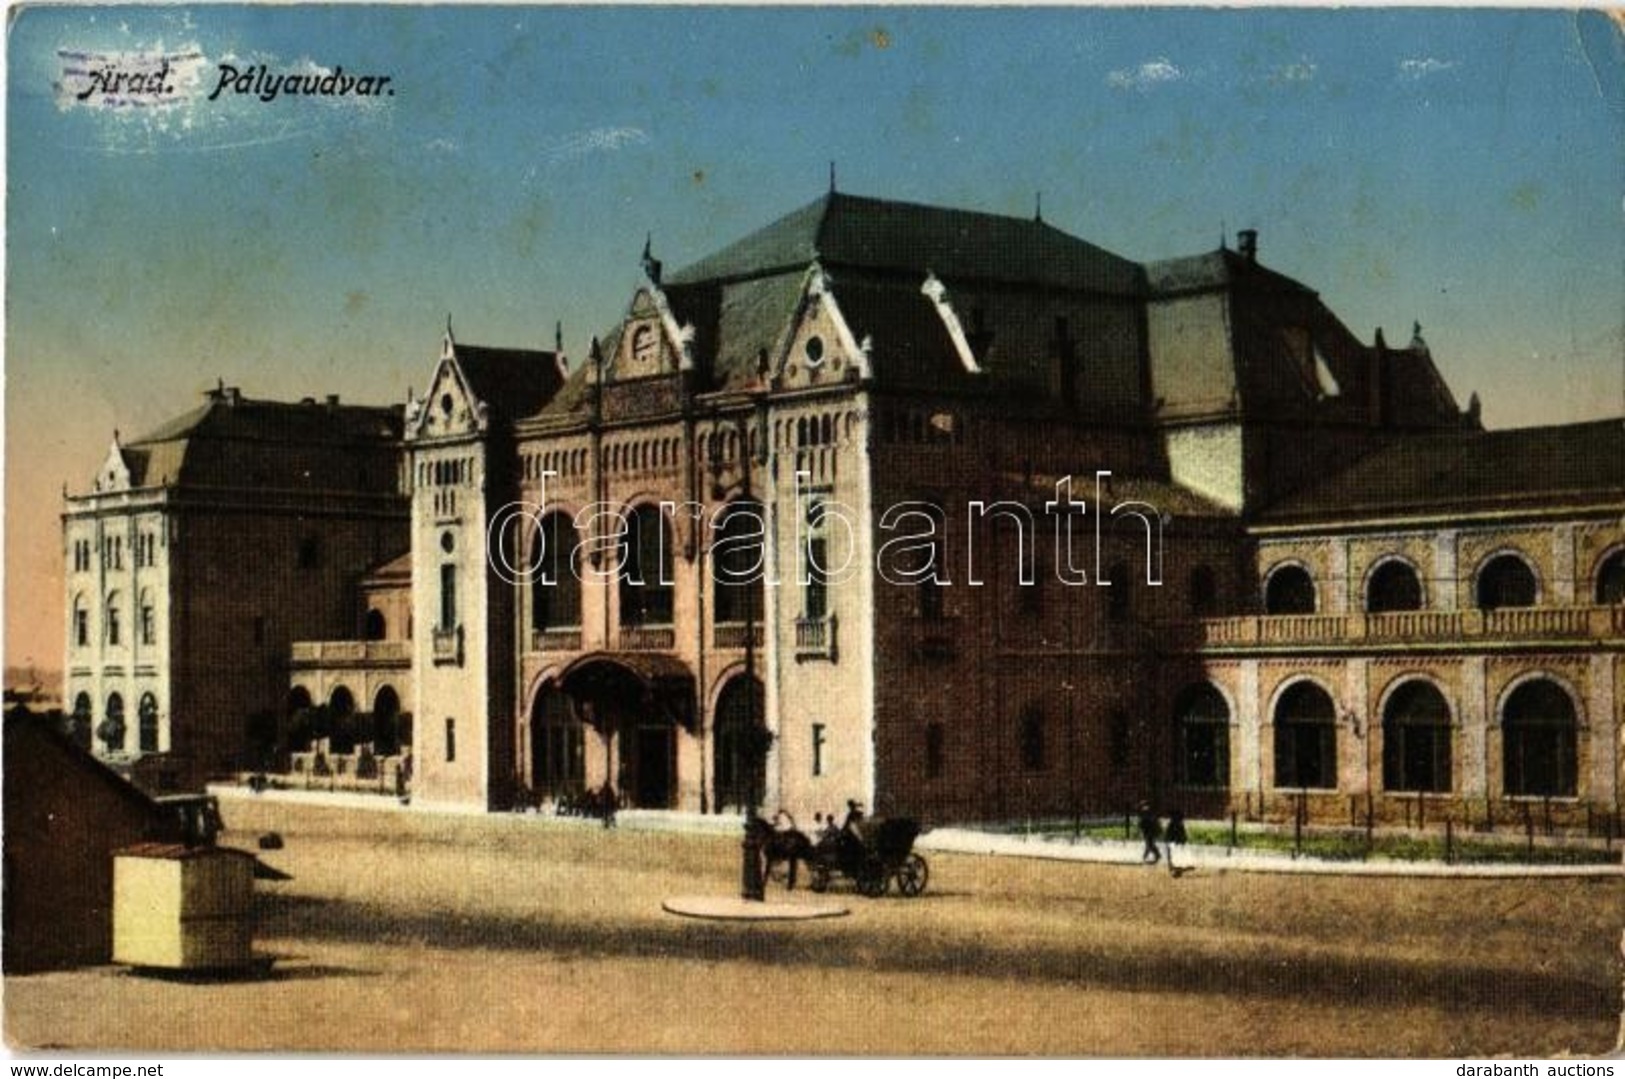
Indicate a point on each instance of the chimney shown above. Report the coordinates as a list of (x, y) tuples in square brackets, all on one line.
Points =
[(1247, 244), (232, 394), (332, 400)]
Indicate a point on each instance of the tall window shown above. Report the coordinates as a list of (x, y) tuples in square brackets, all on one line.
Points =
[(741, 744), (1289, 590), (1506, 581), (558, 745), (113, 635), (149, 622), (1416, 739), (737, 565), (1119, 600), (646, 572), (1203, 721), (448, 597), (81, 623), (147, 717), (1204, 592), (1306, 738), (930, 587), (81, 720), (451, 740), (555, 582), (933, 751), (1393, 586), (112, 729), (820, 737), (1538, 729), (815, 558), (1032, 739)]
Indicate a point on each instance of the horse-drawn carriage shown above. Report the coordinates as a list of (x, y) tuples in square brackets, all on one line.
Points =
[(871, 854)]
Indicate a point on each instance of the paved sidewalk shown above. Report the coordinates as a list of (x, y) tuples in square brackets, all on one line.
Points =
[(1203, 859), (1208, 859)]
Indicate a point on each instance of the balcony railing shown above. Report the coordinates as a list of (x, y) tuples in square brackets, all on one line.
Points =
[(350, 653), (448, 646), (734, 635), (555, 640), (815, 638), (648, 638), (1400, 627)]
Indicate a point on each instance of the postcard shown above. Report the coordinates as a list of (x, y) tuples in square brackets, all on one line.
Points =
[(858, 531)]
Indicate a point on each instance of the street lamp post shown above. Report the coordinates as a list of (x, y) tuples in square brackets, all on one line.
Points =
[(753, 742)]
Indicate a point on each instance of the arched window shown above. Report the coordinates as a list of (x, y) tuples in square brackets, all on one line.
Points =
[(737, 563), (341, 717), (646, 572), (1306, 738), (1204, 592), (556, 581), (1506, 581), (558, 753), (1538, 727), (1393, 586), (1289, 590), (1203, 721), (147, 723), (79, 723), (386, 715), (1032, 738), (112, 729), (741, 744), (113, 621), (1611, 579), (81, 622), (1416, 739), (376, 628)]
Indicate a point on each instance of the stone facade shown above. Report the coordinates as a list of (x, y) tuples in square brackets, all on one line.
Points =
[(1039, 532)]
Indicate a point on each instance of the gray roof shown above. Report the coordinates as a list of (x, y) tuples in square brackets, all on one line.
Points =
[(878, 234), (1455, 471), (513, 382), (1214, 269), (231, 439)]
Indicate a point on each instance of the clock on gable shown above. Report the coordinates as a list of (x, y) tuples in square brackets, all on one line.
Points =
[(642, 355)]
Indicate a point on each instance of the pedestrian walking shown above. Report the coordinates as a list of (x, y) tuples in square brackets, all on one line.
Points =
[(1150, 831), (1175, 835)]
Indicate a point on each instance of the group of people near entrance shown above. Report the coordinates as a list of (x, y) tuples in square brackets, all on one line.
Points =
[(1153, 831)]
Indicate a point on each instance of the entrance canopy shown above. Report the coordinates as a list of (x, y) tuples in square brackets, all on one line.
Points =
[(613, 682)]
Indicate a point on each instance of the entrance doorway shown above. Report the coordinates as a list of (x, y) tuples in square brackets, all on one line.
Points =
[(652, 764)]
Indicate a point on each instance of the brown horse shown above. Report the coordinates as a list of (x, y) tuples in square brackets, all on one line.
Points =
[(780, 846)]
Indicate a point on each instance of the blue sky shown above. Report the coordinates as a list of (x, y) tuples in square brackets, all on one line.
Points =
[(1461, 168)]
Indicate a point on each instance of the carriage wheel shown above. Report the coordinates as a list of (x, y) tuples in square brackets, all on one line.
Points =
[(872, 880), (912, 875), (820, 877)]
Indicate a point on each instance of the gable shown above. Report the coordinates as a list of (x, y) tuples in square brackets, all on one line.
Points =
[(114, 474), (651, 342), (449, 408)]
